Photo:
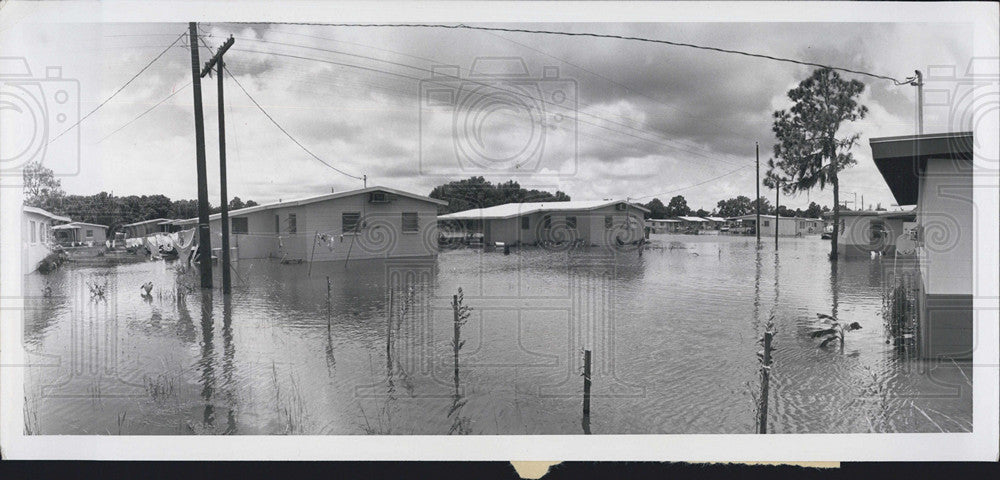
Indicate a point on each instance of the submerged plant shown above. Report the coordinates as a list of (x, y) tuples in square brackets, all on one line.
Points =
[(832, 330)]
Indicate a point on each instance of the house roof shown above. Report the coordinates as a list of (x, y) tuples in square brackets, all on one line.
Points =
[(314, 199), (511, 210), (77, 225), (901, 159), (715, 219), (692, 219), (665, 220), (45, 213), (144, 222)]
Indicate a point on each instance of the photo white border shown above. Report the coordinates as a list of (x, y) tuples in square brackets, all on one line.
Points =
[(982, 444)]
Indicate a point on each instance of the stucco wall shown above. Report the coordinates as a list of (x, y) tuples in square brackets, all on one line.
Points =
[(945, 212), (32, 252)]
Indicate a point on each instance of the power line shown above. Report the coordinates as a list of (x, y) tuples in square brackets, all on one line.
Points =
[(602, 35), (151, 62), (694, 185), (150, 109), (276, 124)]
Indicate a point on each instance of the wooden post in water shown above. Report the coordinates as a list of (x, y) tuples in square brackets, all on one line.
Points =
[(765, 379), (586, 390), (457, 336)]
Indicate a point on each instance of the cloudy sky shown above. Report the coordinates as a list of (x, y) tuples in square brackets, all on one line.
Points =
[(615, 118)]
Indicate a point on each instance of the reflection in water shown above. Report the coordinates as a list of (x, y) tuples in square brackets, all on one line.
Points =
[(674, 317)]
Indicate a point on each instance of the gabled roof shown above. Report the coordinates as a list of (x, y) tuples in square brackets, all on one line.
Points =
[(715, 219), (314, 199), (511, 210), (665, 220), (45, 213), (692, 219)]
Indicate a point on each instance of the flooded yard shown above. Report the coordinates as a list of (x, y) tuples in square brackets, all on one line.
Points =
[(369, 347)]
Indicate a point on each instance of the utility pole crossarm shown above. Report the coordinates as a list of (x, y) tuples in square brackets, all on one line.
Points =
[(218, 54)]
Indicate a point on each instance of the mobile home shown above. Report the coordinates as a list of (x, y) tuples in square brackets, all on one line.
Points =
[(866, 231), (589, 222), (664, 225), (934, 172), (374, 222), (80, 233)]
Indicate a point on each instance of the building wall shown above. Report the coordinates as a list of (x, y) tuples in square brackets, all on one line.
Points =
[(33, 251), (945, 213), (786, 227), (381, 237)]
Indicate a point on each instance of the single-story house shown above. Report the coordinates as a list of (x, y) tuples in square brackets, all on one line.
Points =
[(143, 228), (664, 225), (80, 233), (692, 223), (787, 226), (36, 236), (934, 172), (866, 231), (374, 222), (590, 222), (714, 223)]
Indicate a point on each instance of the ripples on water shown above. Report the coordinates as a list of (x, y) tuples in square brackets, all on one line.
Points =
[(673, 334)]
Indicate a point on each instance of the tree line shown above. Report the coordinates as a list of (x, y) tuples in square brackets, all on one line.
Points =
[(43, 190), (731, 207), (477, 192)]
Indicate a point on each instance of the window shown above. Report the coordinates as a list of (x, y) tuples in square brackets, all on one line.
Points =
[(802, 224), (349, 221), (277, 224), (547, 221), (34, 233), (525, 223), (571, 222), (410, 222), (765, 223), (292, 223), (90, 233), (239, 225), (609, 221)]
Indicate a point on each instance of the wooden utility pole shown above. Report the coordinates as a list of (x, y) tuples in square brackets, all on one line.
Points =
[(218, 63), (777, 193), (204, 231), (757, 226)]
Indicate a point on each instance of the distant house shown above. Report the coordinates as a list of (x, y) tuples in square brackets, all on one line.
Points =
[(714, 223), (80, 233), (787, 226), (866, 231), (143, 228), (692, 223), (36, 236), (664, 225), (374, 222), (935, 173), (590, 222)]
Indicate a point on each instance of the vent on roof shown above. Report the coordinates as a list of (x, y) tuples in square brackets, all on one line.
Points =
[(378, 197), (621, 207)]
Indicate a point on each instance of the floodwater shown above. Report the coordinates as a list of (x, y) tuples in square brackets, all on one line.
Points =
[(331, 349)]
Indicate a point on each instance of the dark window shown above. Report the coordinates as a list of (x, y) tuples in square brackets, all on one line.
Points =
[(410, 223), (90, 233), (349, 221), (34, 233), (547, 221), (609, 221), (525, 223), (571, 222), (239, 225), (277, 224), (292, 223), (765, 223)]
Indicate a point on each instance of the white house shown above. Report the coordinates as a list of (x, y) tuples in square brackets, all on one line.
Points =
[(374, 222), (36, 236), (664, 225), (590, 222), (80, 233), (934, 172), (866, 231)]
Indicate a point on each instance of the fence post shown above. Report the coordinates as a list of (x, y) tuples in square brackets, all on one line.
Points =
[(765, 379), (586, 391)]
